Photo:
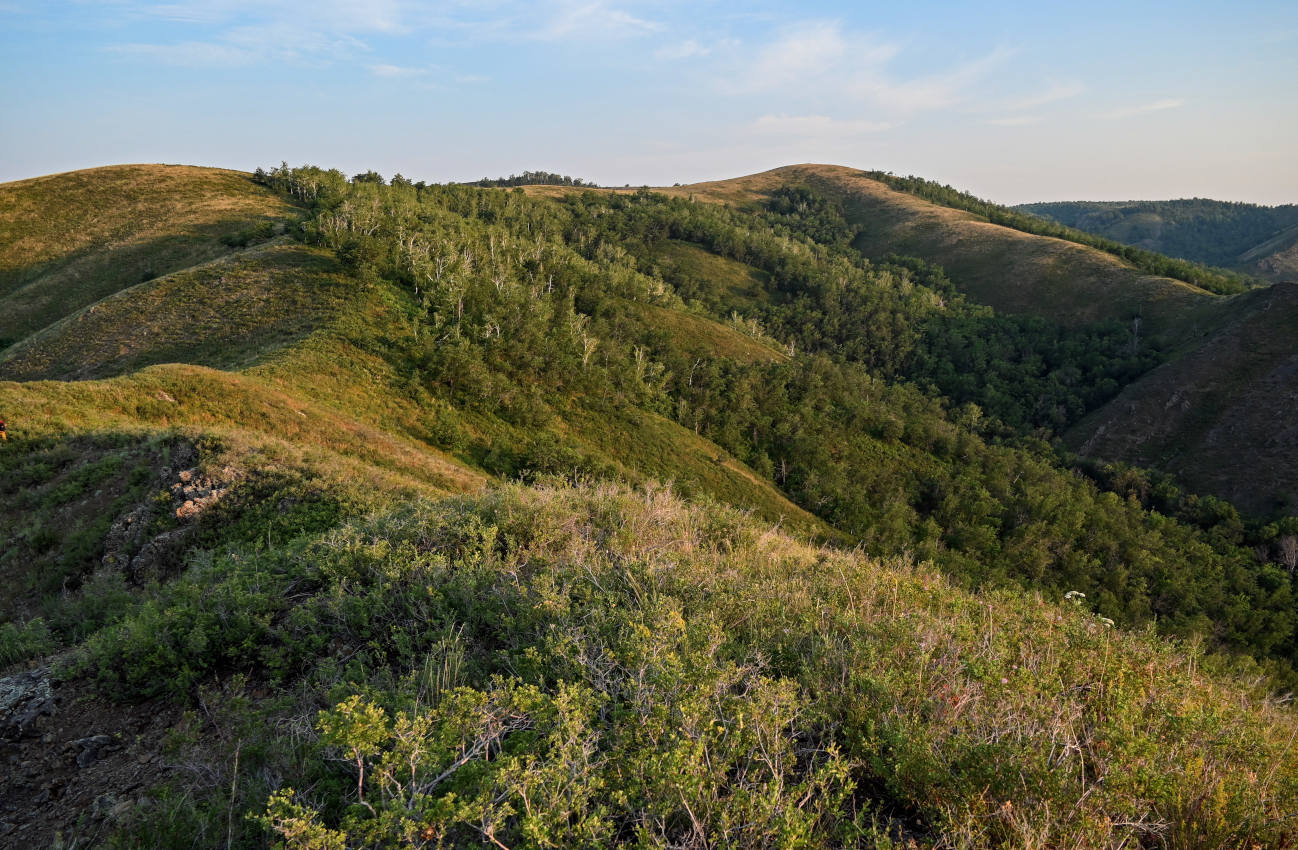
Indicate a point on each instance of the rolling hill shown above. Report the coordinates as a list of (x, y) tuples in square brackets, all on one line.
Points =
[(1257, 240), (1216, 415), (352, 514), (67, 240), (1008, 269)]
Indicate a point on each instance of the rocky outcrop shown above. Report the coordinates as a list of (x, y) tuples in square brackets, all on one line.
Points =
[(147, 542), (23, 698)]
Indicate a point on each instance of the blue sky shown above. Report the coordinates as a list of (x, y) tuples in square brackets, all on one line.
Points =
[(1013, 101)]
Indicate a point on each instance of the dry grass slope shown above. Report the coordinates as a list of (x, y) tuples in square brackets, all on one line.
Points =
[(68, 240), (1276, 259), (227, 313), (1012, 271), (200, 401)]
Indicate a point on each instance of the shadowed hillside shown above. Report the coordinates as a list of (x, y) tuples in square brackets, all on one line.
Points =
[(1222, 417), (225, 313), (1257, 240)]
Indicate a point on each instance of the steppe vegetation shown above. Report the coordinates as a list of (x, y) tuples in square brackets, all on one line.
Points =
[(473, 516)]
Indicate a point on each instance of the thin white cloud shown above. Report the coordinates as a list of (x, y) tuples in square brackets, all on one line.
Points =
[(819, 126), (682, 50), (593, 19), (1056, 92), (824, 61), (327, 15), (189, 54), (802, 53), (1156, 106), (933, 91), (1014, 121), (394, 71)]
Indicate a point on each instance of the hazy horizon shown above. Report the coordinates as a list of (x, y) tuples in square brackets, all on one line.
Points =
[(1014, 102)]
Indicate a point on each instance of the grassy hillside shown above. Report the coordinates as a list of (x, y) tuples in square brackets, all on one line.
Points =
[(1221, 417), (1276, 258), (68, 240), (1009, 270), (1252, 238), (225, 313), (593, 666), (461, 515)]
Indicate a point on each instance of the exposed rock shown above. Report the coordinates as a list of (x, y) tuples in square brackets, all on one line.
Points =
[(23, 698), (93, 748), (196, 494), (132, 547), (158, 556)]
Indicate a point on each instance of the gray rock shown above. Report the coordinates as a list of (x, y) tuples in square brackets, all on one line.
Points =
[(23, 698), (93, 748)]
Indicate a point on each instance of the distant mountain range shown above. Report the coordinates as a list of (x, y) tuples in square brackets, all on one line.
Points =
[(1257, 240)]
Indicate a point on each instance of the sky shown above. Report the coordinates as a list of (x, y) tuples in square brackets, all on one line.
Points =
[(1013, 101)]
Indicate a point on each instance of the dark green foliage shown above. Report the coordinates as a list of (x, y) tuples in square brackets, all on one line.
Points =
[(524, 319), (531, 178), (901, 319), (1196, 229), (888, 466), (1212, 279)]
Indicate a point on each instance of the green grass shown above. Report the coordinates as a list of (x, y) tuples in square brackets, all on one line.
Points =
[(228, 313), (712, 280), (594, 666), (240, 407), (650, 448), (68, 240)]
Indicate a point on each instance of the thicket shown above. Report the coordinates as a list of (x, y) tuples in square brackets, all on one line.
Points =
[(1216, 280), (531, 178), (591, 667), (518, 311)]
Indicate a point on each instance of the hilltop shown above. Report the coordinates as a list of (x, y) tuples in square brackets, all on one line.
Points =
[(68, 240), (1008, 269), (720, 514)]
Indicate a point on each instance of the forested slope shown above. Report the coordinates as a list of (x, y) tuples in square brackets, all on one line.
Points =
[(1003, 267), (1255, 239)]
